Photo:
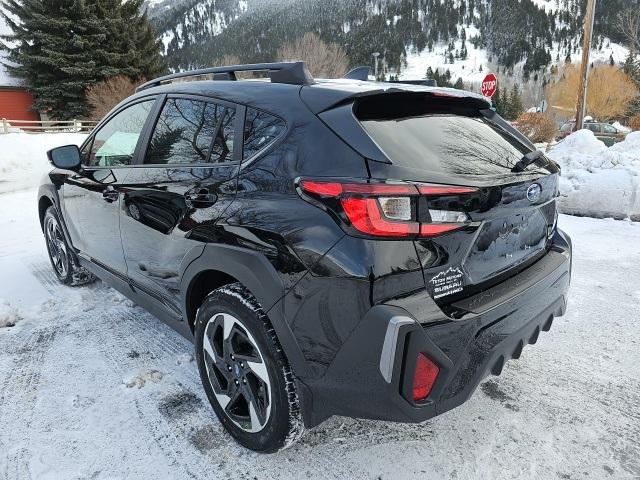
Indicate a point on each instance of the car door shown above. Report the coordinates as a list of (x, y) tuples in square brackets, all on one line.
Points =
[(186, 178), (92, 195)]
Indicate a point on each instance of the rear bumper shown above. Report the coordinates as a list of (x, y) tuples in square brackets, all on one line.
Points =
[(372, 375)]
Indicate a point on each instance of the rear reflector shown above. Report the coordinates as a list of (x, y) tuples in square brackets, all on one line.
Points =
[(424, 378)]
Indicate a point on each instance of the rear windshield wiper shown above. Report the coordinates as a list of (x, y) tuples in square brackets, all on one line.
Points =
[(527, 160)]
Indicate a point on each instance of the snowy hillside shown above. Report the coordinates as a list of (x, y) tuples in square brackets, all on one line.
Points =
[(520, 39)]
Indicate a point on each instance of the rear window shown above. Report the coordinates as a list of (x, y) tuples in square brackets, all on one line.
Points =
[(440, 135)]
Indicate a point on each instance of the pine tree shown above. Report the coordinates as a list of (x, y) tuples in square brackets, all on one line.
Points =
[(459, 84), (515, 104), (496, 101), (429, 74), (501, 102), (65, 46)]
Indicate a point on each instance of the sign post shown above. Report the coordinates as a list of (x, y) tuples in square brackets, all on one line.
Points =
[(489, 85)]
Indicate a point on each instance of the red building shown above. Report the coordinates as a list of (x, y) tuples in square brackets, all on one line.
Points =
[(15, 101), (15, 104)]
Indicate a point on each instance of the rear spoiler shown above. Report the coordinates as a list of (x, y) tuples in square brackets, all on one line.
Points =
[(362, 73)]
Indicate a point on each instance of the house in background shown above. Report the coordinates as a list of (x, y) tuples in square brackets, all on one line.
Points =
[(15, 101)]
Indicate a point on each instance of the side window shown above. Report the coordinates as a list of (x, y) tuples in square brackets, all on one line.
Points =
[(114, 144), (192, 131), (609, 129), (594, 127), (260, 129)]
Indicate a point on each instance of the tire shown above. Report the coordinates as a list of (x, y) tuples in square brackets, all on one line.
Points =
[(61, 254), (242, 366)]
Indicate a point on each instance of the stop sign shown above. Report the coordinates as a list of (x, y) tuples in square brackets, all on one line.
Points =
[(489, 85)]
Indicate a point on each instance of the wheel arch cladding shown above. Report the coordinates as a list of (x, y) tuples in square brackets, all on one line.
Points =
[(44, 203), (224, 264)]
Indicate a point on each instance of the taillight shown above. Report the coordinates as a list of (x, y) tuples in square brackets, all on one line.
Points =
[(424, 377), (389, 209)]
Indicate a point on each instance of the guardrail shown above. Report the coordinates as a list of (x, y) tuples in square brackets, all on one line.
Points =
[(46, 126)]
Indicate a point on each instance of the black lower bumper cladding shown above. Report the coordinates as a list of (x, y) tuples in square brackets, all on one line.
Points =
[(361, 383)]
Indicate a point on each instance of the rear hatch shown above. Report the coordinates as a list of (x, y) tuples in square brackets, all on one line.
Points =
[(510, 211)]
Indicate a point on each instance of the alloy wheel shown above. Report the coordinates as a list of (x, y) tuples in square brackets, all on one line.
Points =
[(57, 247), (237, 372)]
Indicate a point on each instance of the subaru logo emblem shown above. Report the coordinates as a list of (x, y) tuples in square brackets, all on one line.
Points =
[(533, 192)]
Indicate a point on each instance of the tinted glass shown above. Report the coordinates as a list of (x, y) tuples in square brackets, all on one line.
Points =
[(260, 129), (449, 144), (594, 127), (192, 131), (609, 129), (441, 135), (115, 142)]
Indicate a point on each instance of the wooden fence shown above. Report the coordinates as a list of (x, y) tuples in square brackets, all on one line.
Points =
[(46, 126)]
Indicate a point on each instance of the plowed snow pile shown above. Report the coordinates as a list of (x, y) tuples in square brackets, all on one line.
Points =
[(598, 181), (23, 157)]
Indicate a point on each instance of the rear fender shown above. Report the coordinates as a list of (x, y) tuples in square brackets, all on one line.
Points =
[(254, 271)]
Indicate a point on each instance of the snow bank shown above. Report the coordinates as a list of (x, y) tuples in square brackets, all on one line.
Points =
[(598, 181), (621, 128), (23, 157)]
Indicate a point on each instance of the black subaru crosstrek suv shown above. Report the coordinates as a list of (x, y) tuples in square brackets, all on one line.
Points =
[(332, 247)]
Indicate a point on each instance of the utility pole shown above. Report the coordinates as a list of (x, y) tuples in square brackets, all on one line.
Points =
[(584, 68)]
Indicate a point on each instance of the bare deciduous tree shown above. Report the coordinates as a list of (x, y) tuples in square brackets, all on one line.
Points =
[(634, 123), (103, 96), (609, 95), (324, 60), (629, 25), (538, 127)]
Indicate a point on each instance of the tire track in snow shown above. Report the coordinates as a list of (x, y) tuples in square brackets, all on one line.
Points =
[(133, 330), (43, 272), (19, 394)]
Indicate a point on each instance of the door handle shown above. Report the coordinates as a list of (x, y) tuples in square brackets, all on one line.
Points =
[(110, 195), (200, 198)]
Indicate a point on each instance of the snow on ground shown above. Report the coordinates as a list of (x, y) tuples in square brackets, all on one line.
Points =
[(9, 316), (569, 408), (92, 386), (23, 158), (598, 181)]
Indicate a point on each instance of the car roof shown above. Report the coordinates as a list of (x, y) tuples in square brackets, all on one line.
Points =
[(319, 96)]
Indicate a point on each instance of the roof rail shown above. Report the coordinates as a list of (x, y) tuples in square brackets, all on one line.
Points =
[(294, 73)]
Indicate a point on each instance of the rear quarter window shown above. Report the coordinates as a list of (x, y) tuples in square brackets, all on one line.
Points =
[(260, 130)]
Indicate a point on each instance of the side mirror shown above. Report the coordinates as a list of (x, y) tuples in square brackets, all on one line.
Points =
[(67, 157)]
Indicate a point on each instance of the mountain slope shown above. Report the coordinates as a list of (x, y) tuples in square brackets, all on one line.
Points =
[(520, 37)]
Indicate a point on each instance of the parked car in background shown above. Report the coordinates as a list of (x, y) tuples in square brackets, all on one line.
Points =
[(606, 133)]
